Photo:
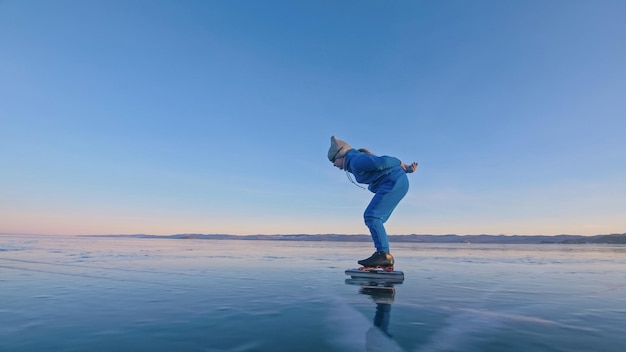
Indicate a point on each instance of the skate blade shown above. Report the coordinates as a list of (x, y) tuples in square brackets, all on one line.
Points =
[(377, 268), (375, 273)]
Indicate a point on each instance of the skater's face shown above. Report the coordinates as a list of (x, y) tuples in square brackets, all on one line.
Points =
[(339, 162)]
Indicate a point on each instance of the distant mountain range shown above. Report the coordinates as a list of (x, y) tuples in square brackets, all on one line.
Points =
[(503, 239)]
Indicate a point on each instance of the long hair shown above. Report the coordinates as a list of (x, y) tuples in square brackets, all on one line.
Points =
[(366, 151)]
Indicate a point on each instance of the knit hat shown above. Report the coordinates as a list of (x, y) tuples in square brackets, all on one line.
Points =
[(338, 149)]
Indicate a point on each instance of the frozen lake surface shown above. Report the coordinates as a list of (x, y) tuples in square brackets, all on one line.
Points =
[(61, 293)]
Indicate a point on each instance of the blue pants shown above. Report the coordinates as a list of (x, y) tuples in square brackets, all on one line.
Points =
[(389, 193)]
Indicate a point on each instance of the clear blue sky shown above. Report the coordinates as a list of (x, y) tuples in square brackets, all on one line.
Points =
[(169, 117)]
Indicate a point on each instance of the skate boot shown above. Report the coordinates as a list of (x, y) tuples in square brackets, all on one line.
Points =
[(378, 260)]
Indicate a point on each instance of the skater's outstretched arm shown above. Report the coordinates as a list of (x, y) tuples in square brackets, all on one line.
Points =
[(409, 168)]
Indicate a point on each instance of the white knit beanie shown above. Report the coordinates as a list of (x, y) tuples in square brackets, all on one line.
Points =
[(338, 149)]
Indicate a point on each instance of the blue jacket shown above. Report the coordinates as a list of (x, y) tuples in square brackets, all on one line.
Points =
[(371, 169)]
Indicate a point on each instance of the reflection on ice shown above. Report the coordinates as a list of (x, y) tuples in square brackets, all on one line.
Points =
[(382, 292), (352, 331)]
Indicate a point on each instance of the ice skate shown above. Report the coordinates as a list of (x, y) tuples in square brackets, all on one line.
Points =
[(378, 266), (378, 260)]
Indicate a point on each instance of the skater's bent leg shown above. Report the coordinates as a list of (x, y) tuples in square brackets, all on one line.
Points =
[(375, 216), (378, 232), (380, 208)]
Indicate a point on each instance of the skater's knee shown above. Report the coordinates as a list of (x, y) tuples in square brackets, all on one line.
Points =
[(372, 220)]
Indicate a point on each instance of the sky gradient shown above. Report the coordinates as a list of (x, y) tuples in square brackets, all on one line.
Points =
[(162, 117)]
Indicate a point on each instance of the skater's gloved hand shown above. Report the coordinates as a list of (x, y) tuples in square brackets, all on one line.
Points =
[(409, 168)]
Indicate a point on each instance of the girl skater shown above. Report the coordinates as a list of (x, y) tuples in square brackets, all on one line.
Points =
[(386, 177)]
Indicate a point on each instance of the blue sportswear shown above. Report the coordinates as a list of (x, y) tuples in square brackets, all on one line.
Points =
[(386, 178), (371, 169)]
